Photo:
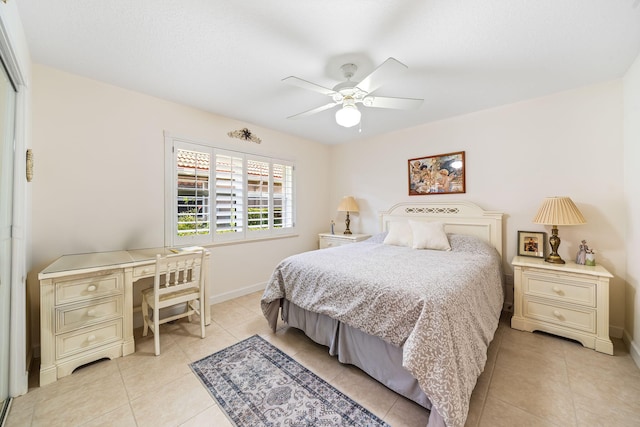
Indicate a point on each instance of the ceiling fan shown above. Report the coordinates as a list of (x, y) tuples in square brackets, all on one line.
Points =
[(350, 93)]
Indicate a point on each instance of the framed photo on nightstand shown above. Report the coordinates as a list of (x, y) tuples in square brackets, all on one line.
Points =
[(532, 243)]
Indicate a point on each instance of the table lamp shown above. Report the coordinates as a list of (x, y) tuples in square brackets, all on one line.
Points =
[(557, 211), (348, 204)]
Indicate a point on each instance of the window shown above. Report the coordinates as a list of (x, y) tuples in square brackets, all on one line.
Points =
[(220, 195)]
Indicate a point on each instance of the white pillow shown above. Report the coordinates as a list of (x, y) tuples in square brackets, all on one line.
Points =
[(400, 234), (429, 235)]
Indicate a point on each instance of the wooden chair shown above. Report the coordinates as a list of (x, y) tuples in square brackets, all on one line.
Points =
[(178, 281)]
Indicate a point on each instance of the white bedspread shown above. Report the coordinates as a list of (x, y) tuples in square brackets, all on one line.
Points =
[(442, 306)]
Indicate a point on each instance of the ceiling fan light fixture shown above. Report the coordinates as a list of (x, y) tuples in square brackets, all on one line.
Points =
[(348, 93), (348, 116)]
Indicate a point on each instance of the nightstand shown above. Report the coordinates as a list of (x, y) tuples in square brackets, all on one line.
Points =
[(328, 240), (568, 300)]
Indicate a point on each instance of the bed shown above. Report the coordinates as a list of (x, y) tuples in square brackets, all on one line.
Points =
[(417, 320)]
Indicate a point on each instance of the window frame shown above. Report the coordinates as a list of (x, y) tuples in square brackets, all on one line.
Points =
[(172, 144)]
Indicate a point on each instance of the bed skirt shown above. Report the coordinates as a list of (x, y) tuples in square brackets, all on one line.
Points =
[(379, 359)]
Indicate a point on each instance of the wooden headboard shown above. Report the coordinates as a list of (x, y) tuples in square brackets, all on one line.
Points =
[(459, 217)]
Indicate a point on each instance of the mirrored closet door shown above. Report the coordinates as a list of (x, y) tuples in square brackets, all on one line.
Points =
[(7, 152)]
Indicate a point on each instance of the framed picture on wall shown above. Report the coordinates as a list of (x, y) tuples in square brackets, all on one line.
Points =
[(439, 174), (532, 243)]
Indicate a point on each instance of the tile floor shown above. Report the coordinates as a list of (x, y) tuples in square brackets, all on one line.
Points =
[(529, 380)]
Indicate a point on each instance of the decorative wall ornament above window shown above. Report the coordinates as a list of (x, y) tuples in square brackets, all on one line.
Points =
[(245, 134)]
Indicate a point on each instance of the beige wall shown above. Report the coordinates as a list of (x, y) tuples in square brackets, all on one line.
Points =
[(568, 144), (632, 208), (99, 177)]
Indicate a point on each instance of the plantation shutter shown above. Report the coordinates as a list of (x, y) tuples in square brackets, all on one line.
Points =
[(282, 196), (258, 194), (192, 195), (229, 195)]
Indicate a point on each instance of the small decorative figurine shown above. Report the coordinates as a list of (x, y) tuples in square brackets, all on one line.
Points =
[(590, 257), (581, 256), (332, 227), (585, 256)]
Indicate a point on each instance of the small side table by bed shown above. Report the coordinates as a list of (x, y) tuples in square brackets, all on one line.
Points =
[(569, 300)]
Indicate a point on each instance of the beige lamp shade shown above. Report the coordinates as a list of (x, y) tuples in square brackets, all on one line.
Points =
[(559, 211), (348, 204)]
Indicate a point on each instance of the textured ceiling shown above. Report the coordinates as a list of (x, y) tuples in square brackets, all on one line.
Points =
[(229, 57)]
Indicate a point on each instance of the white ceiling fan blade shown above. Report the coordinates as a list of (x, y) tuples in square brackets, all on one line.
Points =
[(296, 81), (313, 111), (396, 103), (385, 71)]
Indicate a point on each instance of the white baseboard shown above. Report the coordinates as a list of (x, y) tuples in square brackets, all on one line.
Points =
[(215, 299), (634, 349)]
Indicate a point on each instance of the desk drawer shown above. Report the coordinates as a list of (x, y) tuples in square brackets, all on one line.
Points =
[(87, 288), (575, 317), (75, 316), (144, 271), (148, 270), (575, 290), (88, 338)]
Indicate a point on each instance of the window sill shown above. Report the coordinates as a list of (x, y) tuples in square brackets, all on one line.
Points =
[(245, 241)]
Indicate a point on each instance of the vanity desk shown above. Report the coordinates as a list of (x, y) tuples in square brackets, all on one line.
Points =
[(86, 307)]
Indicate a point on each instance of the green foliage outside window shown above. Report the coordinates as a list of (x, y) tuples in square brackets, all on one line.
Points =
[(258, 217), (189, 224)]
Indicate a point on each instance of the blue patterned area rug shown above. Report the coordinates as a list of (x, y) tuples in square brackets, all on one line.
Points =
[(258, 385)]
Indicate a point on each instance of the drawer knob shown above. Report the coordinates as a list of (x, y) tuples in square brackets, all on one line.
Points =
[(557, 314), (91, 338), (91, 313), (556, 289), (145, 271), (92, 288)]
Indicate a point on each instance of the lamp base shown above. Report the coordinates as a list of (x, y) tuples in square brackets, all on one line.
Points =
[(347, 222), (554, 242), (554, 259)]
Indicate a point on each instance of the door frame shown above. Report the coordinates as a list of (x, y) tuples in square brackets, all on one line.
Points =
[(14, 52)]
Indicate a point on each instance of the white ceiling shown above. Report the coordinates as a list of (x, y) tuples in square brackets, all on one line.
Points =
[(229, 57)]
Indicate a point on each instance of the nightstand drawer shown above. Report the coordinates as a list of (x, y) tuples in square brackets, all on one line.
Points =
[(330, 243), (86, 288), (327, 240), (88, 338), (567, 289), (583, 319), (79, 315)]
